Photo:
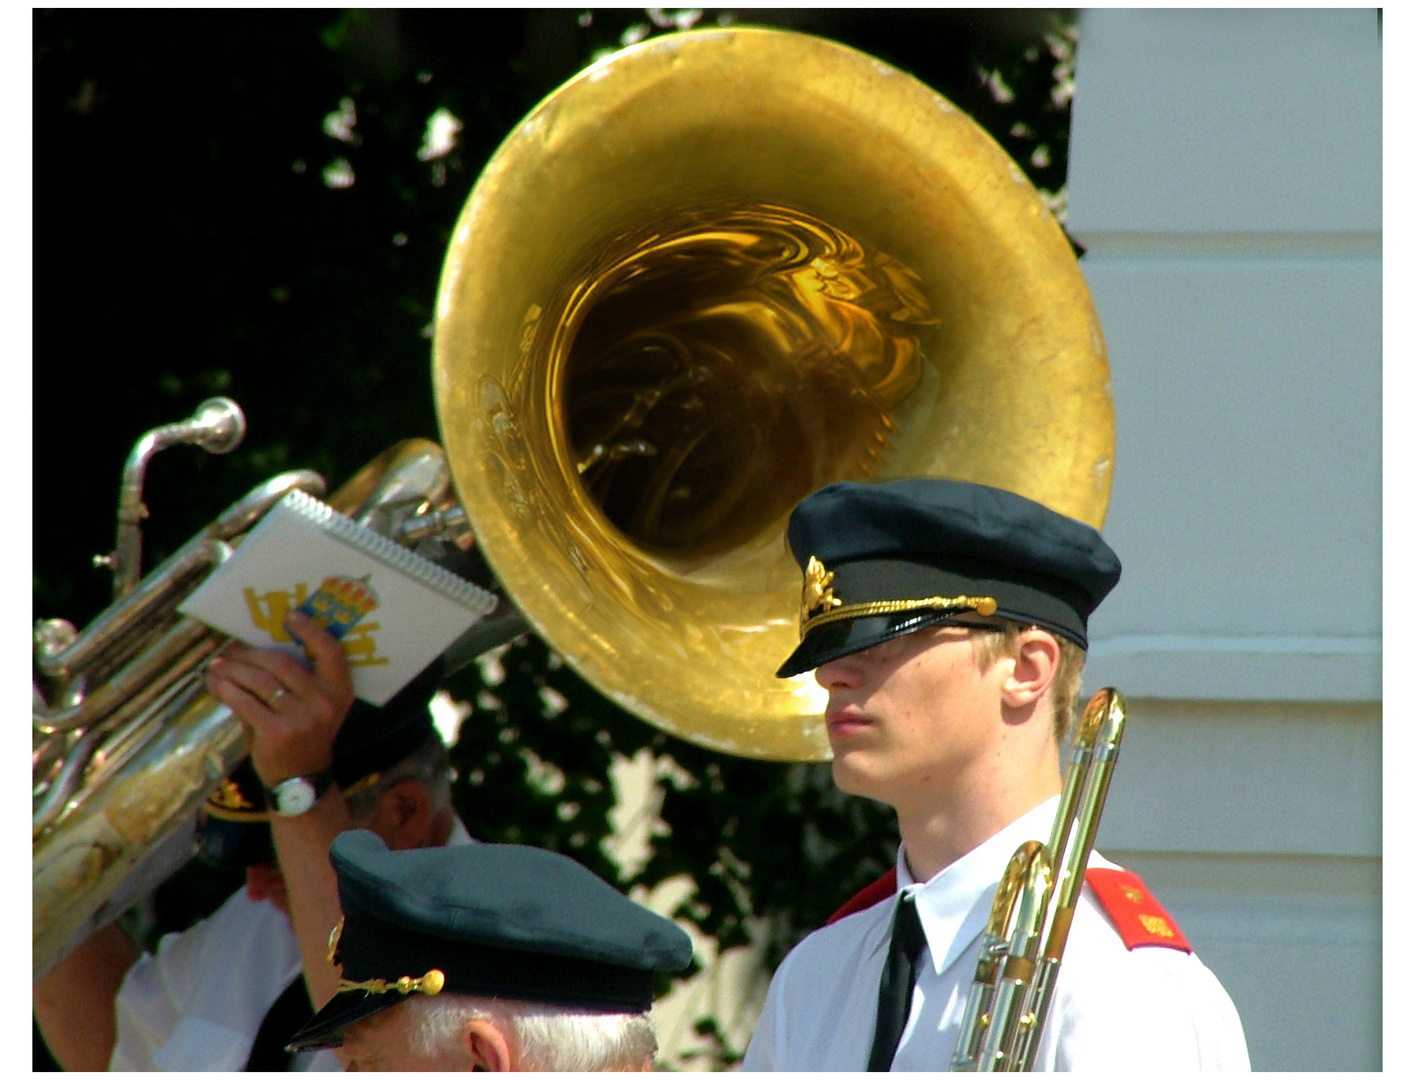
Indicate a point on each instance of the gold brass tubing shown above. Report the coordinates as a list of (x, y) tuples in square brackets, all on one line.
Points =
[(76, 782), (109, 816), (1106, 715), (1103, 723), (981, 995), (132, 726), (56, 797), (114, 626), (217, 427), (1011, 997), (1006, 1010), (95, 849), (111, 628), (129, 682)]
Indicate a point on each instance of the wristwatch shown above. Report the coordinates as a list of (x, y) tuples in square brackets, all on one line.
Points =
[(298, 794)]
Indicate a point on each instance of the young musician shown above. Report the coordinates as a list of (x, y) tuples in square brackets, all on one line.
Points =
[(947, 621)]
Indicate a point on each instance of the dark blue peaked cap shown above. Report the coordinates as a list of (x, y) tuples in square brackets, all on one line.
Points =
[(491, 920), (878, 557)]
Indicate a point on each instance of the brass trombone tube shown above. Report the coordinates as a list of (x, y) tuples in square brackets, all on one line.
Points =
[(1105, 720), (1009, 1014), (1011, 998), (978, 1010)]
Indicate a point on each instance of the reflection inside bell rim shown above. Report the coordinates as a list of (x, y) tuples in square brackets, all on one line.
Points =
[(714, 370)]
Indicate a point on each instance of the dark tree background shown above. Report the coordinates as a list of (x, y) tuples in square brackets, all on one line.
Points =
[(235, 202)]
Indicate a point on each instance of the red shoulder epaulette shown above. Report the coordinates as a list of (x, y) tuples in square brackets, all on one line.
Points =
[(1133, 909), (1137, 915), (880, 889)]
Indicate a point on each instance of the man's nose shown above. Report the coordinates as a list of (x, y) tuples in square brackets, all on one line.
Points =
[(263, 881), (846, 673)]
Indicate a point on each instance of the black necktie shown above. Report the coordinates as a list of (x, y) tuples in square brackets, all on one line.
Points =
[(896, 984)]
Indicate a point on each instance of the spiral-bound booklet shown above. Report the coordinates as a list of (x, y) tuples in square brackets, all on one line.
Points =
[(392, 610)]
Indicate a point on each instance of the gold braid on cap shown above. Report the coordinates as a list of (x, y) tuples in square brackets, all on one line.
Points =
[(227, 803), (430, 984), (819, 604)]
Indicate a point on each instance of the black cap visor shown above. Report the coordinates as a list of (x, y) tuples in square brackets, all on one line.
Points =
[(326, 1028), (233, 845)]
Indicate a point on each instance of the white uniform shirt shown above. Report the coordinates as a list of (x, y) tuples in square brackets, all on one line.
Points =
[(1135, 1011), (197, 1003)]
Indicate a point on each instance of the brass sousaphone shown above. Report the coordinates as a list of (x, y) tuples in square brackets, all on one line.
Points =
[(709, 274)]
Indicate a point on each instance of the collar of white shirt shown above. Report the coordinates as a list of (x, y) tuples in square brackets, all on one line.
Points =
[(459, 835), (954, 903)]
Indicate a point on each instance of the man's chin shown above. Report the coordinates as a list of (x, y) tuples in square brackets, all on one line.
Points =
[(853, 780)]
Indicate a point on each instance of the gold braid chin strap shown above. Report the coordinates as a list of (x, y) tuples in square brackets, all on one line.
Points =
[(820, 605), (983, 605)]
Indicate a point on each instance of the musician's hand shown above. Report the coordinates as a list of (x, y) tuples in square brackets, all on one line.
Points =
[(290, 712)]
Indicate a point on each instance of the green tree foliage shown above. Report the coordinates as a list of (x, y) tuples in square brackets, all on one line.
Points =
[(249, 203)]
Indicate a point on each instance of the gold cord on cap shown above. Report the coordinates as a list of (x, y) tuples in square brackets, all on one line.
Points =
[(983, 605), (429, 984), (227, 803)]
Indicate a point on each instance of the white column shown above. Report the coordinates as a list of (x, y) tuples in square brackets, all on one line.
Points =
[(1225, 178)]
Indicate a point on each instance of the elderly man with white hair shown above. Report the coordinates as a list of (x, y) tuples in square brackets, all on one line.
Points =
[(488, 957)]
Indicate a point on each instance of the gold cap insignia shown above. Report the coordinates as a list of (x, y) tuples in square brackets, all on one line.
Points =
[(228, 796), (817, 597)]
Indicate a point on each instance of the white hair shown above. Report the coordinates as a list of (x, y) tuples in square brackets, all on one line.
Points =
[(548, 1038)]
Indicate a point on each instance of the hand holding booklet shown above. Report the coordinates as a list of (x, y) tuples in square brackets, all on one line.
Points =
[(393, 611)]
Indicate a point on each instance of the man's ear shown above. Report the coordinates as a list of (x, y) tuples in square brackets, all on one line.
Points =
[(488, 1046), (403, 816), (1038, 656)]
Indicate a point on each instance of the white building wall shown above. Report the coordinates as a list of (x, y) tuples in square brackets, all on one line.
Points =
[(1225, 180)]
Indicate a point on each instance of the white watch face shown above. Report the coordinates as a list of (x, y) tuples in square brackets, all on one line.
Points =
[(294, 796)]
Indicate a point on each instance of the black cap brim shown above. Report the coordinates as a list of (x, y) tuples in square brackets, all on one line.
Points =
[(326, 1028), (834, 640), (233, 845)]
